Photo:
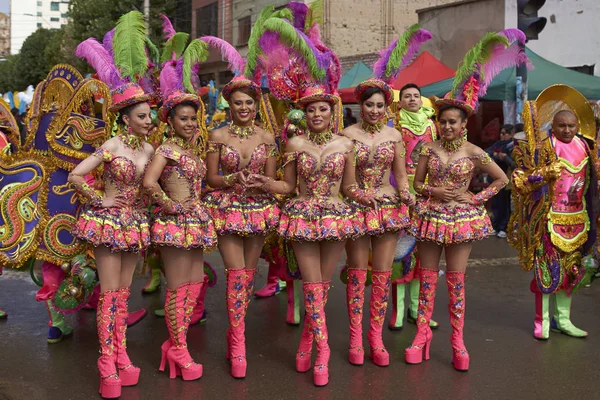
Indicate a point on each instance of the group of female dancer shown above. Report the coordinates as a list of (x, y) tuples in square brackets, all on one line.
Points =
[(339, 193)]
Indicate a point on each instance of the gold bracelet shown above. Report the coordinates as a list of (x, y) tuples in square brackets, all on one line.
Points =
[(229, 179)]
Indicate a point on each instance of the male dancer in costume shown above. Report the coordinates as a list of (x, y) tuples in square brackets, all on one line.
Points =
[(554, 224), (414, 122)]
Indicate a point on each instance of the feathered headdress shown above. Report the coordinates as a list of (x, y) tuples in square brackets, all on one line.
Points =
[(490, 56), (180, 63), (397, 56), (122, 60)]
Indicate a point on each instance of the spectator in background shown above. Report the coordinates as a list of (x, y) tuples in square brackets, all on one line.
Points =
[(349, 119), (501, 153), (519, 132)]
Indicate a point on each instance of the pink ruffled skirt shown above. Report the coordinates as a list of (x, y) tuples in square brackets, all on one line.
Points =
[(189, 230)]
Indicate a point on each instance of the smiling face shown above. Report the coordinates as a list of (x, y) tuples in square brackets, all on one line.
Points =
[(139, 119), (451, 124), (318, 116), (243, 108), (410, 100), (373, 109), (184, 122), (565, 126)]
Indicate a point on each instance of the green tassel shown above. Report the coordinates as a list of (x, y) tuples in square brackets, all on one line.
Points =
[(176, 44), (196, 52), (129, 45), (288, 33)]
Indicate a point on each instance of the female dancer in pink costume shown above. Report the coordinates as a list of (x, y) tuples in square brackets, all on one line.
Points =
[(242, 215), (182, 226), (380, 153), (116, 223), (447, 216)]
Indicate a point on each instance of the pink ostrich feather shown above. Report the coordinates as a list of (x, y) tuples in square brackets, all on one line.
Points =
[(171, 77), (167, 26), (101, 60), (384, 57), (233, 57), (501, 59), (107, 41), (514, 35), (413, 47)]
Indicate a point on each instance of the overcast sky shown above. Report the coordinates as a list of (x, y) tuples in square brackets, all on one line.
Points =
[(4, 5)]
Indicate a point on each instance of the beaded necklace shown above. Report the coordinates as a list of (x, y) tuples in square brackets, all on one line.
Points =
[(452, 146), (320, 139)]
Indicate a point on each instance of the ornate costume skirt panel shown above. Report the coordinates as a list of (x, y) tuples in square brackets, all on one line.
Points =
[(318, 220), (120, 229), (190, 230), (391, 216), (242, 215), (438, 222)]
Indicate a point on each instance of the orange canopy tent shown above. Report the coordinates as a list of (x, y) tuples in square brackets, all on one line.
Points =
[(424, 70)]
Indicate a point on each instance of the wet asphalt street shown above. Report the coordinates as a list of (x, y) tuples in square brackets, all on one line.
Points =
[(506, 361)]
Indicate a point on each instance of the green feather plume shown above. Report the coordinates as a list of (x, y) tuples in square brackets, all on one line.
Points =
[(284, 13), (176, 44), (129, 45), (399, 51), (478, 55), (196, 52), (253, 46), (315, 15), (152, 50), (288, 34)]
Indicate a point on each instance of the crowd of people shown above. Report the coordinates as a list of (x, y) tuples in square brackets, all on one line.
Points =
[(323, 185)]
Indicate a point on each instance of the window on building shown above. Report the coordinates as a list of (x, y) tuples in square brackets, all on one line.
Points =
[(64, 15), (39, 14), (54, 19), (584, 69), (54, 6), (244, 28), (39, 25), (39, 3), (207, 20), (182, 20)]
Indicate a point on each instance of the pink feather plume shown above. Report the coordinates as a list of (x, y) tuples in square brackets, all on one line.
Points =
[(168, 30), (233, 57), (100, 59), (170, 78)]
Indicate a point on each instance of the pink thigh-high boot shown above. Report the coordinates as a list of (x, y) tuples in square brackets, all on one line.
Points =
[(420, 344), (106, 316), (315, 299), (355, 297), (456, 308), (128, 373), (380, 293)]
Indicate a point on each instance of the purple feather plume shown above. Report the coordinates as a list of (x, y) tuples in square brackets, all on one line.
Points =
[(107, 41), (323, 58), (233, 57), (171, 77), (384, 57), (299, 11), (100, 59), (168, 30), (514, 35)]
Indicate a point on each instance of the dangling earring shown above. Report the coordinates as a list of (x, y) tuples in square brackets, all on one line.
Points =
[(129, 130), (464, 133), (362, 114)]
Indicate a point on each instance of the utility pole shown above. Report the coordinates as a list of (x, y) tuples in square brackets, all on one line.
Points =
[(147, 13)]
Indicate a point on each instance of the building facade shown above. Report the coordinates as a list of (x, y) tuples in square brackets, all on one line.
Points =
[(4, 35), (26, 16)]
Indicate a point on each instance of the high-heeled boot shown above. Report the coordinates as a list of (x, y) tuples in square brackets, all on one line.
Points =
[(272, 286), (304, 354), (541, 325), (355, 297), (240, 283), (561, 321), (199, 314), (419, 348), (315, 299), (179, 304), (128, 373), (380, 291), (456, 307), (110, 384)]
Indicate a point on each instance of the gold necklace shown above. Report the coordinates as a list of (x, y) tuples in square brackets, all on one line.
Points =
[(179, 141), (320, 139), (371, 129), (242, 132), (134, 142), (452, 146)]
